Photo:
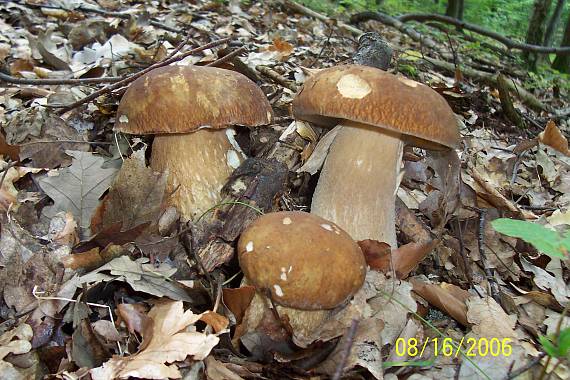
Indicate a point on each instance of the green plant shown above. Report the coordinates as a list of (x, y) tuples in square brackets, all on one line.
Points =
[(547, 241), (557, 346)]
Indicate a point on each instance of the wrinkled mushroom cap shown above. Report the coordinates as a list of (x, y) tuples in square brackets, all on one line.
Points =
[(372, 96), (181, 99), (305, 261)]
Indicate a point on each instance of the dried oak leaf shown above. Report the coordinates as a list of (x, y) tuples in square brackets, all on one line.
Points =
[(77, 188), (164, 341), (135, 196)]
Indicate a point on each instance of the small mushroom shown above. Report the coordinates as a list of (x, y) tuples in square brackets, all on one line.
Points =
[(379, 113), (188, 108), (303, 263)]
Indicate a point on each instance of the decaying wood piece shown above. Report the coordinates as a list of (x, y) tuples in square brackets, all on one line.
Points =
[(491, 79), (253, 188), (506, 102)]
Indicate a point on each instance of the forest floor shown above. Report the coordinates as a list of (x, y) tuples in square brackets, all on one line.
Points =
[(93, 288)]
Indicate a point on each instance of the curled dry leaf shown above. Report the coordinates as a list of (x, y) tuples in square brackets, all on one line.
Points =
[(552, 137), (403, 259), (133, 315), (165, 341), (446, 297), (218, 322), (12, 151), (237, 300), (93, 258)]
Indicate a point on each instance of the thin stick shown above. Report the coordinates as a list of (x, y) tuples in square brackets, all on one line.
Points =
[(346, 350), (228, 56), (57, 81), (494, 288)]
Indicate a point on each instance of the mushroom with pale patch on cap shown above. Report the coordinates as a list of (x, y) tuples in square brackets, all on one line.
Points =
[(304, 263), (379, 113), (188, 108)]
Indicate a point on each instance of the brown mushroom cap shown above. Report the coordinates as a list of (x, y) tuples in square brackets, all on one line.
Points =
[(305, 261), (181, 99), (372, 96)]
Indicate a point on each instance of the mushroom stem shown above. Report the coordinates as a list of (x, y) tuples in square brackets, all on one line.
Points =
[(358, 183), (198, 164)]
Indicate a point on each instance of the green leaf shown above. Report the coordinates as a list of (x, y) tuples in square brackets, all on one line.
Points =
[(564, 341), (545, 240), (548, 347)]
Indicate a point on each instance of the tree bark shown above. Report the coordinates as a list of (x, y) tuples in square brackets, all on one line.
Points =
[(455, 9), (536, 27), (553, 22), (562, 62)]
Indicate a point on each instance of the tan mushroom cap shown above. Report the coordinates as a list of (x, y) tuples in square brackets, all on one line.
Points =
[(372, 96), (305, 261), (181, 99)]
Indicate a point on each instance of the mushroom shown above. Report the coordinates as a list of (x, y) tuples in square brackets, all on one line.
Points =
[(189, 109), (379, 113), (305, 264)]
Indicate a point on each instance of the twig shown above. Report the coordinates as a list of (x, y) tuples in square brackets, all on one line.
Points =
[(346, 350), (525, 368), (494, 287), (276, 77), (170, 59), (228, 57), (57, 81), (4, 171)]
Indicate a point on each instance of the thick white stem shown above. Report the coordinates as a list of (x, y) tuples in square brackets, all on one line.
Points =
[(198, 165), (357, 186)]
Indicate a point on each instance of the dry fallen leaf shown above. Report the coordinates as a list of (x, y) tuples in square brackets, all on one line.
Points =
[(165, 341), (446, 297), (403, 259), (135, 196), (77, 188), (15, 341), (552, 137)]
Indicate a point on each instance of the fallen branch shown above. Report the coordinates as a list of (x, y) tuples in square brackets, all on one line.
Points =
[(491, 79), (423, 17), (276, 77), (506, 102), (294, 6), (397, 24)]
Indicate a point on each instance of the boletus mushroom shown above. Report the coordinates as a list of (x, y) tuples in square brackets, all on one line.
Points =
[(303, 264), (188, 108), (379, 113)]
